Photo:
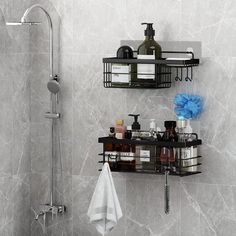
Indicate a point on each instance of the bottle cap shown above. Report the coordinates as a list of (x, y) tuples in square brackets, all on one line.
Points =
[(125, 52), (170, 124), (188, 129), (149, 30), (158, 129), (181, 123), (119, 122), (129, 127), (112, 129)]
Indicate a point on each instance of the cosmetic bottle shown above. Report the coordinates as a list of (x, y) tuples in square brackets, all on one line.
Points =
[(136, 132), (147, 158), (158, 134), (183, 153), (121, 73), (127, 153), (109, 146), (112, 132), (149, 49), (168, 154), (190, 153), (111, 155), (152, 128), (135, 126), (127, 158), (120, 129), (128, 132), (187, 157)]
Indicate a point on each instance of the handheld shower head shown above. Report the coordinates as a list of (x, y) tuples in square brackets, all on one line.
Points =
[(53, 86)]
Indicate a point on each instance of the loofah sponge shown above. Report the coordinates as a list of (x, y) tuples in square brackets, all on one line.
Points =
[(188, 106)]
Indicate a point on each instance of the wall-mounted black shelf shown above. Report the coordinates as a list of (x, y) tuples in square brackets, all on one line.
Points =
[(177, 168), (150, 142), (163, 61), (164, 69)]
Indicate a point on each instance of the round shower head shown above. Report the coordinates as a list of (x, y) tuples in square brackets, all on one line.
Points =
[(53, 86)]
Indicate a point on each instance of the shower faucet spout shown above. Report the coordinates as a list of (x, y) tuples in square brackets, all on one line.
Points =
[(41, 213)]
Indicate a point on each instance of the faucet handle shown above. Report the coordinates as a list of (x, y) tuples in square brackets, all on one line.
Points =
[(41, 213)]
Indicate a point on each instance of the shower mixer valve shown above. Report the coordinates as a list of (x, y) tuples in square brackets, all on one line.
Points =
[(54, 210)]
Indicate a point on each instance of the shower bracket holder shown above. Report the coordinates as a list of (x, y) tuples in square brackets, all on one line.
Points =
[(56, 77), (50, 115)]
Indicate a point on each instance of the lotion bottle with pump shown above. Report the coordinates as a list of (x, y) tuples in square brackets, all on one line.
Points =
[(149, 49)]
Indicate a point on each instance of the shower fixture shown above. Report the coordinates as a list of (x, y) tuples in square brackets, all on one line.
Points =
[(22, 23), (54, 87)]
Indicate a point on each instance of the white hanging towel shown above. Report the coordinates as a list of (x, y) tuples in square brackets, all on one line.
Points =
[(104, 210)]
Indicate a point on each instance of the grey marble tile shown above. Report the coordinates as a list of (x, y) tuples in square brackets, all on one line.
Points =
[(190, 210), (3, 32), (166, 18), (208, 209), (39, 76), (17, 37), (41, 155), (93, 31), (6, 216), (21, 112), (6, 124), (65, 10), (211, 26), (21, 205), (145, 208)]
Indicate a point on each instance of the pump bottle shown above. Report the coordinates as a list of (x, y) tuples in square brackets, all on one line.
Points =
[(149, 49)]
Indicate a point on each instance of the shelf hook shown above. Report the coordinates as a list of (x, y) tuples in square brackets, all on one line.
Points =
[(177, 78), (187, 78)]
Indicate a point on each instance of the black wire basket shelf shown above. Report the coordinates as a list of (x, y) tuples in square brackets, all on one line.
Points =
[(165, 69), (137, 164)]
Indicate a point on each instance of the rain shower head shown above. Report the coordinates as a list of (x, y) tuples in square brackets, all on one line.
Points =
[(22, 23)]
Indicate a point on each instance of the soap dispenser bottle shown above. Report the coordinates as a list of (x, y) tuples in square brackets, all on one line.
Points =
[(135, 126), (149, 49)]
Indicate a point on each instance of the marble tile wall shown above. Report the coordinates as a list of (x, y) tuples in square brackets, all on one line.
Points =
[(88, 31), (14, 122), (200, 205)]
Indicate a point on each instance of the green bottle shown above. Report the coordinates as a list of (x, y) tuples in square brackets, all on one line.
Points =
[(149, 49)]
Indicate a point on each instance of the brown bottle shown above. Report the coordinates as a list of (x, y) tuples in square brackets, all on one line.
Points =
[(127, 159), (111, 155), (167, 154)]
